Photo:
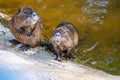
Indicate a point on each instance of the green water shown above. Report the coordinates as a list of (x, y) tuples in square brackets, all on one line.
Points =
[(97, 21)]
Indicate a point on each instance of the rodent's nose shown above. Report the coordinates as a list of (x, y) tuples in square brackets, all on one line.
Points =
[(57, 40), (34, 14)]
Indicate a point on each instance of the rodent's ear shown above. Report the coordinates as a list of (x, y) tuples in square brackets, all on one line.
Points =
[(19, 10)]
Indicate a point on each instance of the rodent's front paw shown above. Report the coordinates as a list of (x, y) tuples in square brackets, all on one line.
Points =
[(21, 30), (24, 31)]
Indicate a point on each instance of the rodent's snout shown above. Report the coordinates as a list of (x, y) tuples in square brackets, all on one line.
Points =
[(32, 19), (34, 14), (57, 40)]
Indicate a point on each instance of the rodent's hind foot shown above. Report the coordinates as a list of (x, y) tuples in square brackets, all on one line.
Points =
[(69, 57), (58, 59), (24, 47), (14, 41)]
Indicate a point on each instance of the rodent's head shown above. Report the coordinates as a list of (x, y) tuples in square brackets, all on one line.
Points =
[(57, 38), (27, 15)]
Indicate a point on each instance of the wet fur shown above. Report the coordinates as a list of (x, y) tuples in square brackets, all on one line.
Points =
[(68, 40), (26, 33)]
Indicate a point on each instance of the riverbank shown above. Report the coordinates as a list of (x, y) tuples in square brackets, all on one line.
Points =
[(39, 64)]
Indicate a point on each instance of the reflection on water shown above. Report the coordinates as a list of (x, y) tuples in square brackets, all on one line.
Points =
[(96, 20), (96, 10)]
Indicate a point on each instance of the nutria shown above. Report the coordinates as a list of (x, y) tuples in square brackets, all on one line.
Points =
[(26, 26), (65, 38)]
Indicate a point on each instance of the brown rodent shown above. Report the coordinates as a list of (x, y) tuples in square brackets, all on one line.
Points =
[(26, 26), (65, 38)]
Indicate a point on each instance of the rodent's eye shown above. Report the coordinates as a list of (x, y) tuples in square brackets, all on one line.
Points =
[(55, 34), (31, 12), (58, 35), (25, 12)]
